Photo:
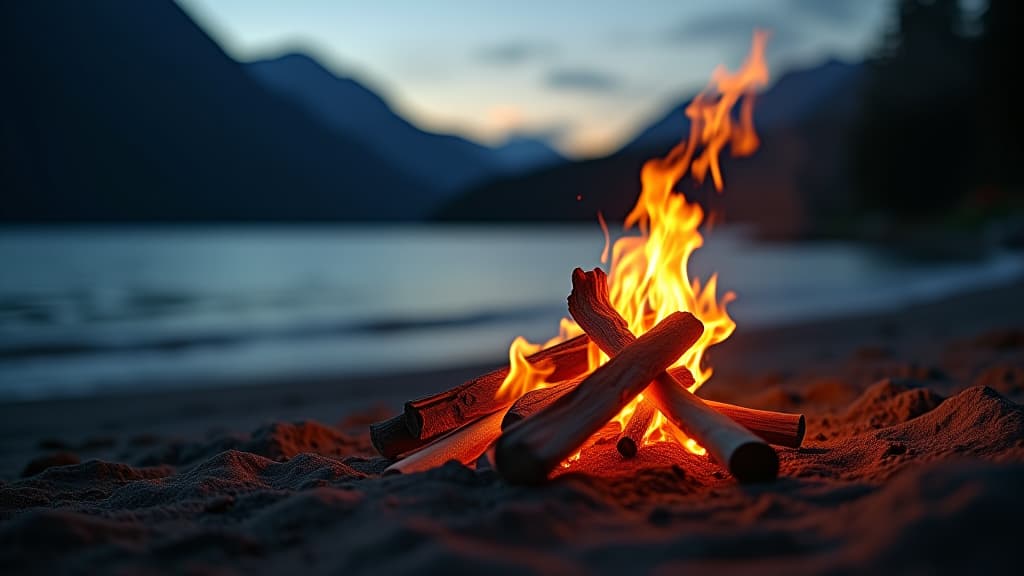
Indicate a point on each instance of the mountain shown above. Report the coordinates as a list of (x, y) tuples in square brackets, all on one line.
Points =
[(125, 111), (448, 162), (796, 184), (445, 161)]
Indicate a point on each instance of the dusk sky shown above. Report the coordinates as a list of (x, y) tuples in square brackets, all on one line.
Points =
[(585, 74)]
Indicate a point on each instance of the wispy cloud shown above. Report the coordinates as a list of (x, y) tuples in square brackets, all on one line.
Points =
[(515, 52), (581, 79)]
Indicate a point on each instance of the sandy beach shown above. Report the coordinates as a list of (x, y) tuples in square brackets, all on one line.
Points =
[(912, 462)]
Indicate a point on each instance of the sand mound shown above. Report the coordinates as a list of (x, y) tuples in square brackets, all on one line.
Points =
[(887, 403), (37, 465), (1005, 378), (978, 422)]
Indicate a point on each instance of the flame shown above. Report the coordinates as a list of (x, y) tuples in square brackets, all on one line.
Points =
[(648, 278), (523, 376)]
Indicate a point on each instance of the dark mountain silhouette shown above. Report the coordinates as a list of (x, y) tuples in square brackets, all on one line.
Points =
[(448, 162), (795, 185), (118, 111)]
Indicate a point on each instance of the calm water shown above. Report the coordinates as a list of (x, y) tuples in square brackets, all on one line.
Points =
[(89, 309)]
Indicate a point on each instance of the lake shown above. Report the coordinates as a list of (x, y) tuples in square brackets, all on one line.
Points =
[(90, 309)]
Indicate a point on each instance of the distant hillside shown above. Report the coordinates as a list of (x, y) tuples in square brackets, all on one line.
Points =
[(445, 161), (795, 185), (116, 111)]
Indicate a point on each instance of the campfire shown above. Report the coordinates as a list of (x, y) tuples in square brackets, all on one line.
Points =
[(628, 360)]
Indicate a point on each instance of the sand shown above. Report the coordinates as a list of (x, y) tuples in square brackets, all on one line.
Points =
[(913, 463)]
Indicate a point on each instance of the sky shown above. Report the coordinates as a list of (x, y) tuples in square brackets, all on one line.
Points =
[(586, 75)]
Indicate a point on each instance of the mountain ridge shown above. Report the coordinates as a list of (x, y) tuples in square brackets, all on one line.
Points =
[(147, 119), (448, 161)]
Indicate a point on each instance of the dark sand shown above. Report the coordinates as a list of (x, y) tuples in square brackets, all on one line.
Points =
[(913, 463)]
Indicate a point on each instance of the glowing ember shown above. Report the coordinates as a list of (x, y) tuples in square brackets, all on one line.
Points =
[(649, 280)]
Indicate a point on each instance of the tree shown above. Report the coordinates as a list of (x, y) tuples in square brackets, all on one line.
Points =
[(918, 120)]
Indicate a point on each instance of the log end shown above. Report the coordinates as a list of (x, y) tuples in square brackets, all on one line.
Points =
[(801, 429), (413, 420), (511, 417), (391, 438), (377, 430), (754, 462), (517, 465), (626, 447)]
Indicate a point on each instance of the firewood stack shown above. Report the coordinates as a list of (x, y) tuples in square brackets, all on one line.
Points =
[(531, 435)]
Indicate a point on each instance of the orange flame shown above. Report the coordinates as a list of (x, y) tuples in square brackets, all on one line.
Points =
[(649, 279), (522, 375)]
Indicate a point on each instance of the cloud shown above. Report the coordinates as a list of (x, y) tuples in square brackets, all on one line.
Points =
[(582, 79), (514, 52)]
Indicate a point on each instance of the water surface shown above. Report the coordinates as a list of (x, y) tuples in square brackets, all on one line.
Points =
[(85, 309)]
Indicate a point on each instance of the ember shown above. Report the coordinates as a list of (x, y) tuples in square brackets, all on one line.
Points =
[(628, 361)]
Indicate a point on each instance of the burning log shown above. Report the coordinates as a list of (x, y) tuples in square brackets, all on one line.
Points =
[(464, 445), (536, 400), (610, 433), (606, 435), (779, 428), (633, 436), (434, 415), (747, 457), (528, 451)]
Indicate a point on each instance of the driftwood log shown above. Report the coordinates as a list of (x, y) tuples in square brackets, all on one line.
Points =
[(464, 445), (528, 451), (392, 438), (632, 436), (434, 415), (747, 457), (536, 400), (778, 428)]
